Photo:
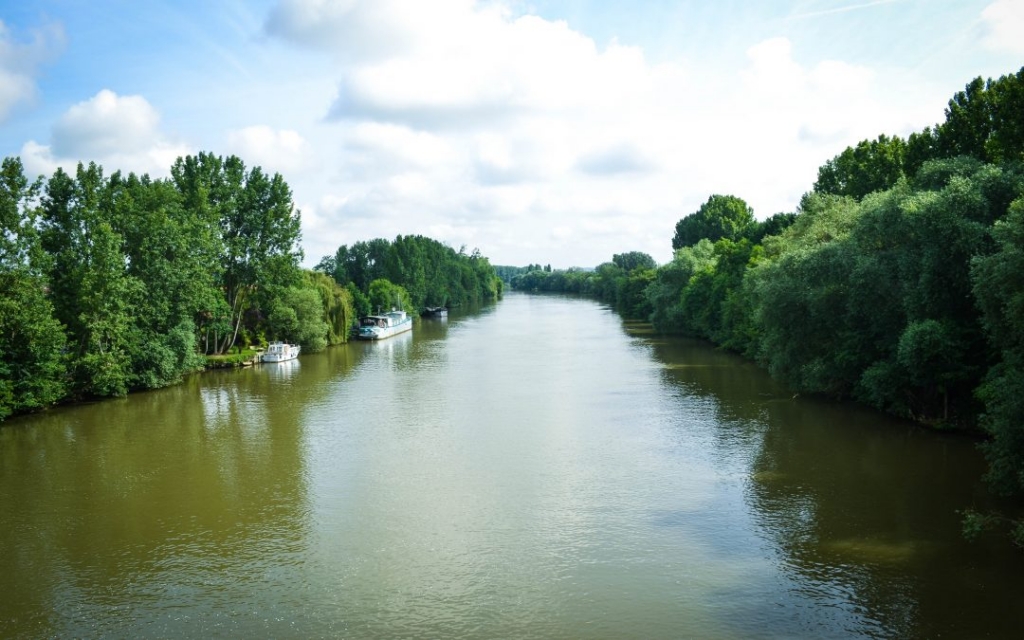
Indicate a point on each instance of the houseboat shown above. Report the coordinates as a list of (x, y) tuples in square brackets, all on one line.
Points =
[(384, 326)]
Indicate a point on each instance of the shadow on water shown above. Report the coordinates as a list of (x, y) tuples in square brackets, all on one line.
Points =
[(860, 508)]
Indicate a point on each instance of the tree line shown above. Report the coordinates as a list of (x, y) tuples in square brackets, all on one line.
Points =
[(898, 282), (412, 272), (110, 284)]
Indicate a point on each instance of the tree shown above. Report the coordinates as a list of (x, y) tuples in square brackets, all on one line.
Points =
[(91, 290), (985, 121), (634, 260), (719, 217), (385, 296), (297, 315), (771, 226), (873, 165), (665, 293), (339, 311), (259, 230), (32, 366), (998, 284), (169, 251)]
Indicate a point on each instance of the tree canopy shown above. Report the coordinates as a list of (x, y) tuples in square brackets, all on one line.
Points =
[(719, 217)]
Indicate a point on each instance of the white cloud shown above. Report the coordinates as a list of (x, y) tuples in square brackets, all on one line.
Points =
[(623, 158), (376, 148), (456, 63), (19, 62), (1004, 20), (117, 132), (355, 29), (281, 151), (531, 136), (106, 124), (473, 124)]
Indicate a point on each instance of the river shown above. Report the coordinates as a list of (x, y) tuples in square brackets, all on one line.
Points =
[(533, 469)]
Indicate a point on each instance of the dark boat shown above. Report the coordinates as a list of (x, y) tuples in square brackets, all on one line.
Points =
[(435, 312)]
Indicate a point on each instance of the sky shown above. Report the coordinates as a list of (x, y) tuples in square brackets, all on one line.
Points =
[(536, 131)]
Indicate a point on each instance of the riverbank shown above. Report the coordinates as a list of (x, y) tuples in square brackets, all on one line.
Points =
[(244, 358)]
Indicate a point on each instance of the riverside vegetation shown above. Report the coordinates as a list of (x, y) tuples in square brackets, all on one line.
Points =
[(898, 282), (122, 283)]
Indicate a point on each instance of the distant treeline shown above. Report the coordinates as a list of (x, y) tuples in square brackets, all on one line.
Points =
[(899, 282), (413, 272), (112, 284)]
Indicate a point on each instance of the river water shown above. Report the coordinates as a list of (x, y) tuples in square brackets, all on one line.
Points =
[(532, 469)]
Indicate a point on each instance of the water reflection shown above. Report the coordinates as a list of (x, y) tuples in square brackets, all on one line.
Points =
[(281, 371), (859, 507), (194, 495)]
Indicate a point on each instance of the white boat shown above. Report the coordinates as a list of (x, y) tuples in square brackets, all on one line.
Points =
[(280, 351), (384, 325)]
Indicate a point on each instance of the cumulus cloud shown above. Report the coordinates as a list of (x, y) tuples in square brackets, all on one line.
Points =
[(19, 62), (456, 63), (377, 149), (118, 132), (282, 151), (106, 124), (354, 29), (522, 134), (1004, 20)]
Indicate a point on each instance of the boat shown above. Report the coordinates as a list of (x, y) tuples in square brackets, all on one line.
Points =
[(384, 326), (435, 312), (280, 351)]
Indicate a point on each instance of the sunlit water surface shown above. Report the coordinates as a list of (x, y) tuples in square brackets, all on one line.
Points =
[(533, 469)]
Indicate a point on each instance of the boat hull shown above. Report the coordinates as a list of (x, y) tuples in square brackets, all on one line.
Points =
[(435, 312), (380, 333)]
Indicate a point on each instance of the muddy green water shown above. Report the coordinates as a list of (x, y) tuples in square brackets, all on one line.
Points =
[(533, 469)]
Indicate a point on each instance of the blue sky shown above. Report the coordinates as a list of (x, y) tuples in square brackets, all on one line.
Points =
[(538, 131)]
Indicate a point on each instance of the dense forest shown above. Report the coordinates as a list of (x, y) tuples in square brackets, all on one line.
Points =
[(898, 282), (120, 283)]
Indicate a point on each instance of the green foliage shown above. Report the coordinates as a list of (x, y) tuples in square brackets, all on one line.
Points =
[(114, 284), (772, 226), (999, 288), (630, 297), (633, 260), (339, 311), (296, 315), (720, 217), (257, 239), (873, 165), (984, 122), (433, 274), (385, 296), (360, 302), (623, 283), (32, 342), (873, 301), (122, 283)]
